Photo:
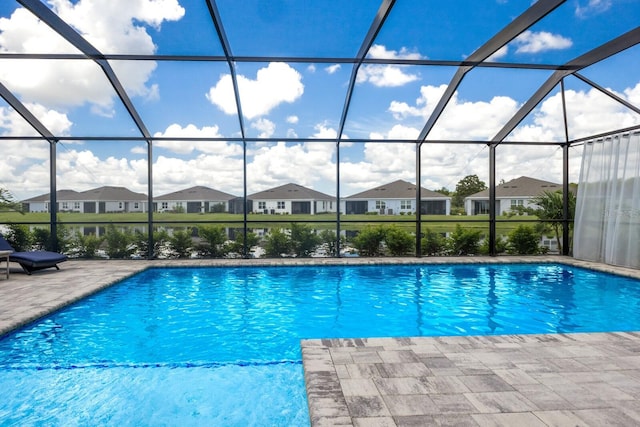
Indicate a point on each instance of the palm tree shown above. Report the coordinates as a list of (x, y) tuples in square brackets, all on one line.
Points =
[(550, 210), (7, 203)]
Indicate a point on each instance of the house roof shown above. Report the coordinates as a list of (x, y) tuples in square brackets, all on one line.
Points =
[(397, 190), (60, 195), (520, 187), (198, 192), (290, 192), (104, 194)]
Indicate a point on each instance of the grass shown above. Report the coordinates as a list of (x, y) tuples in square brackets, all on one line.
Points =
[(437, 223)]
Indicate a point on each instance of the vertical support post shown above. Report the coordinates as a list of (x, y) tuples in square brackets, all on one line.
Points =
[(565, 176), (245, 201), (338, 199), (150, 242), (418, 199), (53, 198), (492, 199), (565, 201)]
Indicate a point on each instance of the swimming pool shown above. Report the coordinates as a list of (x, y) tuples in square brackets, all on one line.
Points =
[(220, 346)]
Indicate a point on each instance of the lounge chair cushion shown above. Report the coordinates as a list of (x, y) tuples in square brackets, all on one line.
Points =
[(33, 260)]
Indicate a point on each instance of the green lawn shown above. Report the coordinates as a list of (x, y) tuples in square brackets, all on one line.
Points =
[(438, 223)]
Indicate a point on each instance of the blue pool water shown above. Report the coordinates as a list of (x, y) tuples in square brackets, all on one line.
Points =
[(220, 346)]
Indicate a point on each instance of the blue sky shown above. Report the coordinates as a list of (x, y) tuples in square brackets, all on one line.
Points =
[(303, 100)]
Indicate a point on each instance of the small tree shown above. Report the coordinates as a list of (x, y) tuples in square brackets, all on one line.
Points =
[(88, 245), (118, 242), (432, 244), (303, 240), (181, 243), (369, 240), (7, 203), (467, 186), (277, 244), (213, 241), (524, 240), (464, 241), (549, 208), (399, 242)]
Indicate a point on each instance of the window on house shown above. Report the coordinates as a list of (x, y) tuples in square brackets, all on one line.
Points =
[(405, 204), (165, 205), (517, 202), (280, 205), (120, 205), (65, 205), (135, 205), (76, 205), (380, 204), (262, 205)]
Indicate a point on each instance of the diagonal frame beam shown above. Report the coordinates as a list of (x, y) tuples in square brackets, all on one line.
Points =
[(612, 47), (47, 16), (536, 12)]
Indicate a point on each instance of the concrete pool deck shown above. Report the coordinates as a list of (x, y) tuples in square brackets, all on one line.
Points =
[(533, 380)]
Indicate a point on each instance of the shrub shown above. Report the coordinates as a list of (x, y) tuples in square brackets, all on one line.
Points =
[(464, 241), (399, 242), (181, 243), (524, 240), (19, 237), (369, 240), (88, 245), (118, 242), (303, 240), (432, 244), (213, 239), (277, 244)]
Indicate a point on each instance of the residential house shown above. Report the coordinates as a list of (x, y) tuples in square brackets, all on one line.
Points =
[(198, 199), (292, 199), (98, 200), (397, 198), (509, 195)]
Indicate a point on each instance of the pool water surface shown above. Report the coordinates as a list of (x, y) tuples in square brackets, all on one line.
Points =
[(220, 346)]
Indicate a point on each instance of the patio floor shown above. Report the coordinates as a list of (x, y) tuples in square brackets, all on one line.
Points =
[(524, 380)]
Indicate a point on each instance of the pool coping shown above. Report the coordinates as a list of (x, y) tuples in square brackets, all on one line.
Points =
[(610, 360)]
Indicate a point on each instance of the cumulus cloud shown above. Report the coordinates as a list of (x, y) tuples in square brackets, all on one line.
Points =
[(292, 120), (265, 126), (592, 7), (112, 27), (192, 131), (387, 75), (332, 68), (276, 84), (534, 42)]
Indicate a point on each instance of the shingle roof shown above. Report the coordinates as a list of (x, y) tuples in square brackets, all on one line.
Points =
[(396, 190), (107, 194), (198, 192), (290, 192), (60, 195), (520, 187)]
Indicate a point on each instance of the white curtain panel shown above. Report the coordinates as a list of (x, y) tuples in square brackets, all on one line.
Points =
[(607, 219)]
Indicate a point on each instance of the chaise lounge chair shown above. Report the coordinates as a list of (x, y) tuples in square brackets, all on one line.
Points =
[(33, 260)]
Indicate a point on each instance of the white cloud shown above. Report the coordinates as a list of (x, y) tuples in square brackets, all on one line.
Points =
[(311, 68), (499, 54), (273, 85), (292, 120), (332, 68), (532, 42), (592, 7), (192, 131), (310, 164), (265, 126), (112, 27), (387, 75)]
